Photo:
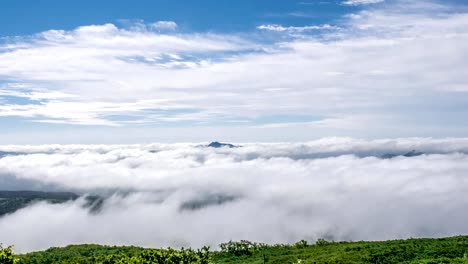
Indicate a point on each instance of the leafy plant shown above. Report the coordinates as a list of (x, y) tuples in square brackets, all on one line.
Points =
[(301, 244), (239, 248), (7, 256)]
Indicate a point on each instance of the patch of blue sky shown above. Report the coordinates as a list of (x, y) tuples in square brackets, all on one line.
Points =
[(165, 123), (225, 120), (152, 116), (17, 100), (281, 119), (11, 124), (35, 128), (177, 118), (123, 118), (169, 112), (185, 60), (25, 17), (16, 93)]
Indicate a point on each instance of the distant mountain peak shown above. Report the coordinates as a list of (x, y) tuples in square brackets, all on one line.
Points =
[(216, 144)]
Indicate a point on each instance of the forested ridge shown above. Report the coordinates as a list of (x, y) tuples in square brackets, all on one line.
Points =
[(441, 250)]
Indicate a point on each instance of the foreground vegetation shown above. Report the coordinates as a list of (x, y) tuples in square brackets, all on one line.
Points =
[(443, 250), (7, 256)]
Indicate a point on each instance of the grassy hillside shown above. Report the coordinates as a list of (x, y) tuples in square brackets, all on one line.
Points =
[(443, 250)]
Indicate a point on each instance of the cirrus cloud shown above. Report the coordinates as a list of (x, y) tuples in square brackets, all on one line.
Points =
[(164, 25), (362, 2)]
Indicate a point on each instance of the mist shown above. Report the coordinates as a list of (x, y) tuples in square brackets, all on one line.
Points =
[(190, 195)]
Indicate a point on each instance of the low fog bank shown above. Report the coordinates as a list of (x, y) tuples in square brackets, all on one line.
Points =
[(333, 146), (191, 195)]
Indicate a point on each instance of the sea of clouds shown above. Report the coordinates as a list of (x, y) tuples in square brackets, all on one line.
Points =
[(189, 194)]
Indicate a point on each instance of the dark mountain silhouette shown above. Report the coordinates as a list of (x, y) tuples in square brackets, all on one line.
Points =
[(412, 153), (217, 144), (11, 201), (206, 201)]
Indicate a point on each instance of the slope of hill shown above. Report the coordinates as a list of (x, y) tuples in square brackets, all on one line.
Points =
[(11, 201), (442, 250)]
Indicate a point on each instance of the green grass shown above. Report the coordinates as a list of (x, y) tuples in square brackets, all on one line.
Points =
[(443, 250)]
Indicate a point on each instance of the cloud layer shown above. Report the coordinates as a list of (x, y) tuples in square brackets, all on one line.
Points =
[(191, 195)]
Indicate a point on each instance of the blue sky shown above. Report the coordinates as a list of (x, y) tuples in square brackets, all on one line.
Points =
[(20, 17), (145, 71)]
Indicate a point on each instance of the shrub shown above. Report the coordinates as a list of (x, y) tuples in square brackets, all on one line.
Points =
[(322, 242), (7, 256), (239, 248), (301, 244)]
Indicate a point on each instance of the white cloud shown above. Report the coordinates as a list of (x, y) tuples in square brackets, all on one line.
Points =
[(394, 62), (336, 187), (362, 2), (164, 25), (279, 28)]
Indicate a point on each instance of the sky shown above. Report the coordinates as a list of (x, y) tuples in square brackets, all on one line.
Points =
[(119, 98), (242, 71)]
